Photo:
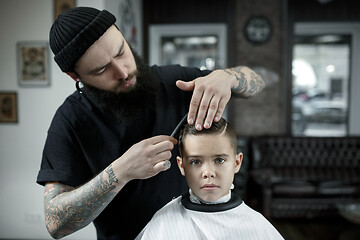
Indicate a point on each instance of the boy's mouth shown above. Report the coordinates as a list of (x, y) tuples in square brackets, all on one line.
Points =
[(209, 187)]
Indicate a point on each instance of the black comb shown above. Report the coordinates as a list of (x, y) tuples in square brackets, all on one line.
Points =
[(178, 126)]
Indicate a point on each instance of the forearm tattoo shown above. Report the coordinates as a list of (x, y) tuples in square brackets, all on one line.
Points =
[(68, 210), (249, 83)]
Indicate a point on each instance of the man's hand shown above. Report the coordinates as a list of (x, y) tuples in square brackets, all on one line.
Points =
[(147, 158), (210, 96), (211, 93)]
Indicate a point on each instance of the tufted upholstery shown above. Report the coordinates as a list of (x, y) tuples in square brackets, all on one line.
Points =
[(306, 176)]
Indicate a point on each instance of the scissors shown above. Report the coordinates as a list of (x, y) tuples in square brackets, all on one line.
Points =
[(178, 126)]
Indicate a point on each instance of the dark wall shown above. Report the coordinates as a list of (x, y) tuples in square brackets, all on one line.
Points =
[(314, 10)]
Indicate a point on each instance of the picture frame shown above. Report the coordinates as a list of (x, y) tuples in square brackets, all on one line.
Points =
[(33, 63), (62, 5), (8, 107)]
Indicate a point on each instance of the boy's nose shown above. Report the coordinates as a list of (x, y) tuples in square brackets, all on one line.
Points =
[(208, 172)]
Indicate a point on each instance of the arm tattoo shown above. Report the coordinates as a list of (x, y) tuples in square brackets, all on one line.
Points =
[(68, 210), (249, 83)]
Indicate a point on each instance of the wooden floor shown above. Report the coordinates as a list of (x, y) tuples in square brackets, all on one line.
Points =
[(319, 229)]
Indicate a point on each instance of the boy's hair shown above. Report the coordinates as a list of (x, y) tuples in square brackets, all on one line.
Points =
[(222, 126)]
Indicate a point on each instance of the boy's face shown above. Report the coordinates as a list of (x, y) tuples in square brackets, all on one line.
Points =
[(109, 63), (209, 163)]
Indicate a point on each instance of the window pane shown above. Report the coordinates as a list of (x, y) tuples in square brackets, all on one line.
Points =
[(320, 71)]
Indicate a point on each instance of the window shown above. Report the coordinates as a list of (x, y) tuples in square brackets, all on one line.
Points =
[(196, 45), (340, 43), (320, 84)]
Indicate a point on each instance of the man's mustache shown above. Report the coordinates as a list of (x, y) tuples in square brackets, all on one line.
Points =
[(129, 77)]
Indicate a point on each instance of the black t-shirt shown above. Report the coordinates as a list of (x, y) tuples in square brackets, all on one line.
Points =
[(83, 140)]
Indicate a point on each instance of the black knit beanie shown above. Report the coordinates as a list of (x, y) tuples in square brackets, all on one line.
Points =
[(74, 31)]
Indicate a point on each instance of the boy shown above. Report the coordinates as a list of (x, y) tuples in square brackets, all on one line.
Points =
[(209, 160)]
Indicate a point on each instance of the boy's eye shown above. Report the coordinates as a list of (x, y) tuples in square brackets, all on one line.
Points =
[(195, 162), (220, 160)]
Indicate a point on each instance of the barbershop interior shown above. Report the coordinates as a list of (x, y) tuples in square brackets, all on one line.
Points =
[(300, 135)]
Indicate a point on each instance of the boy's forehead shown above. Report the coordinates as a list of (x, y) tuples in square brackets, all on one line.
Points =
[(207, 136), (207, 142)]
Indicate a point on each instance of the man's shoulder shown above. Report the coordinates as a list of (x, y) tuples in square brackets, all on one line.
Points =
[(167, 70), (75, 102), (74, 108)]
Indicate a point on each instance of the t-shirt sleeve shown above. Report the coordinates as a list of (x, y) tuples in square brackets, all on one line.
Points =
[(173, 73), (62, 159)]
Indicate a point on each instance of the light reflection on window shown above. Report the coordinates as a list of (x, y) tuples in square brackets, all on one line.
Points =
[(196, 51)]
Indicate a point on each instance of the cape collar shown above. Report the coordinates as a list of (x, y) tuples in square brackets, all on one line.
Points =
[(234, 201)]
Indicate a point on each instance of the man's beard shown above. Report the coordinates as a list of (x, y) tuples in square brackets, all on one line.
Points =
[(127, 105)]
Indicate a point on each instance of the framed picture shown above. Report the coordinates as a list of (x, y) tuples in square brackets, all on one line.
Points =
[(8, 107), (33, 63), (193, 45), (62, 5)]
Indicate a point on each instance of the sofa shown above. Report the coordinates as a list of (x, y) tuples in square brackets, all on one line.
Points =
[(297, 177)]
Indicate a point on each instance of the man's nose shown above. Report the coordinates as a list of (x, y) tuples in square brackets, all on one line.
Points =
[(120, 72)]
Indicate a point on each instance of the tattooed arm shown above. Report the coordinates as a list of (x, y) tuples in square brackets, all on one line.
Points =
[(211, 93), (69, 209), (248, 83)]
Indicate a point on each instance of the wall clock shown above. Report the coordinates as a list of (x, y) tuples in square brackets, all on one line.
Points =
[(258, 29)]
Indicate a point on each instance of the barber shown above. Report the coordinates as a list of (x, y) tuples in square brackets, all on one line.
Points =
[(107, 155)]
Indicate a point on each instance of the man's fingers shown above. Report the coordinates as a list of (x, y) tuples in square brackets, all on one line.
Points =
[(212, 111), (185, 86), (162, 166), (160, 151), (203, 109), (162, 156), (194, 105), (161, 138), (221, 109)]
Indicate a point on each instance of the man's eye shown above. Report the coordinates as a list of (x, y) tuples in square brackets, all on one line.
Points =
[(120, 53), (220, 160), (100, 71)]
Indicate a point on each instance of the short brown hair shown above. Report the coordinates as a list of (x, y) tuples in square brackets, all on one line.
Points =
[(222, 126)]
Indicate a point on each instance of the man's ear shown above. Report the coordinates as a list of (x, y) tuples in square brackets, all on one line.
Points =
[(180, 165), (238, 161), (73, 76)]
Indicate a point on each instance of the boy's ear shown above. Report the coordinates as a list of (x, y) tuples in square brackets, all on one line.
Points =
[(180, 165), (238, 161), (73, 76)]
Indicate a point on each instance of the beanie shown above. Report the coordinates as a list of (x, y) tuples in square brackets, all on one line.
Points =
[(74, 31)]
